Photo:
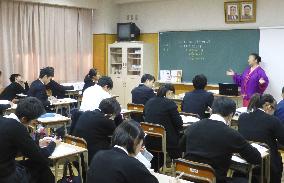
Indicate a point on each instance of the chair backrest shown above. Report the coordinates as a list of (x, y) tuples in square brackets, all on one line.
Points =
[(189, 114), (69, 139), (194, 171), (136, 107), (155, 130)]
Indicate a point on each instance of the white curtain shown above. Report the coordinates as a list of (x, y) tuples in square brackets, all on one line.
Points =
[(33, 36)]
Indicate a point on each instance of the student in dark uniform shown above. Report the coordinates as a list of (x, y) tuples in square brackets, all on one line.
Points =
[(3, 107), (57, 89), (97, 126), (213, 142), (119, 165), (199, 100), (90, 79), (163, 111), (261, 126), (17, 86), (144, 91), (15, 139), (38, 89)]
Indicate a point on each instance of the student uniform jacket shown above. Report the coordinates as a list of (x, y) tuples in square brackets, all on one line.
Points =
[(163, 111), (115, 166), (261, 127), (141, 94), (38, 90), (15, 139), (197, 102), (96, 129), (213, 142), (58, 90), (11, 91)]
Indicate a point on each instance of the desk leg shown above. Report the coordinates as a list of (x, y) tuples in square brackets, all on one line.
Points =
[(250, 175), (80, 167), (56, 171)]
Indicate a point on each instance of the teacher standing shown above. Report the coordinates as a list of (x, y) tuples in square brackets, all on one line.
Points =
[(252, 80)]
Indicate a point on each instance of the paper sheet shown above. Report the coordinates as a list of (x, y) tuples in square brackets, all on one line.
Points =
[(189, 119), (62, 150), (4, 102)]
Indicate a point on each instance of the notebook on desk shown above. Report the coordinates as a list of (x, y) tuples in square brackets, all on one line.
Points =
[(228, 89)]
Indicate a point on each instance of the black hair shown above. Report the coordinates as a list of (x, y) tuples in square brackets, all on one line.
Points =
[(92, 72), (127, 134), (223, 106), (29, 107), (283, 89), (247, 6), (199, 82), (146, 77), (48, 71), (105, 80), (13, 77), (257, 101), (110, 106), (0, 73), (257, 57), (162, 91)]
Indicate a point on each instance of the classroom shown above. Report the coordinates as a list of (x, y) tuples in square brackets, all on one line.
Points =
[(156, 91)]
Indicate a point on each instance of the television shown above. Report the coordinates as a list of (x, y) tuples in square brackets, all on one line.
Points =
[(127, 31)]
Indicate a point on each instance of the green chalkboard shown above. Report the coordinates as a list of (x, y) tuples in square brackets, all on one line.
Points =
[(210, 53)]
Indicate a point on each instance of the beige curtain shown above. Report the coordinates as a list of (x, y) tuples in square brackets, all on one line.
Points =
[(33, 36)]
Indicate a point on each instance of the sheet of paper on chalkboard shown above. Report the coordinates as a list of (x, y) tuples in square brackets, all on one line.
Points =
[(165, 75), (176, 76)]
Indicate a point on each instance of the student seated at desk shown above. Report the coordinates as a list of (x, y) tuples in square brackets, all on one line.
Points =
[(261, 126), (38, 89), (17, 86), (57, 90), (97, 126), (142, 93), (279, 112), (163, 111), (213, 142), (93, 95), (199, 100), (119, 165), (3, 107), (16, 139), (90, 79)]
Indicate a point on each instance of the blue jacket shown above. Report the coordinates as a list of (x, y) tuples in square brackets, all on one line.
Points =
[(141, 94), (279, 112)]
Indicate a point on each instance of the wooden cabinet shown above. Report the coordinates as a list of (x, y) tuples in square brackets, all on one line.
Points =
[(127, 62)]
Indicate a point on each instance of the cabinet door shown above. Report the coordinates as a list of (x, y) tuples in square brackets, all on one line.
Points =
[(115, 61), (118, 89), (131, 82), (134, 61)]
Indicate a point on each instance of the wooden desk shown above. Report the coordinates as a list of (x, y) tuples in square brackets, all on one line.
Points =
[(65, 152), (61, 103), (126, 113), (55, 122), (73, 93), (241, 165), (168, 179), (10, 110)]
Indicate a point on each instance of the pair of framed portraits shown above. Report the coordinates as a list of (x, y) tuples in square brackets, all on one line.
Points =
[(240, 11)]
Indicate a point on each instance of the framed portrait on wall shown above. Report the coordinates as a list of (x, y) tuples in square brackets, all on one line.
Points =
[(248, 11), (231, 12)]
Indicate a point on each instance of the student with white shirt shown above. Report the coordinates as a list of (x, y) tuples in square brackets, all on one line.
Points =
[(213, 142), (15, 139), (93, 95), (119, 164)]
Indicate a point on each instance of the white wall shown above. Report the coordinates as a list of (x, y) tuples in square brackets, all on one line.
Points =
[(91, 4), (196, 15), (106, 17)]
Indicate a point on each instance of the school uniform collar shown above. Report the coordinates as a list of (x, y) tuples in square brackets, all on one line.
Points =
[(217, 117), (261, 109), (121, 148), (13, 116)]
